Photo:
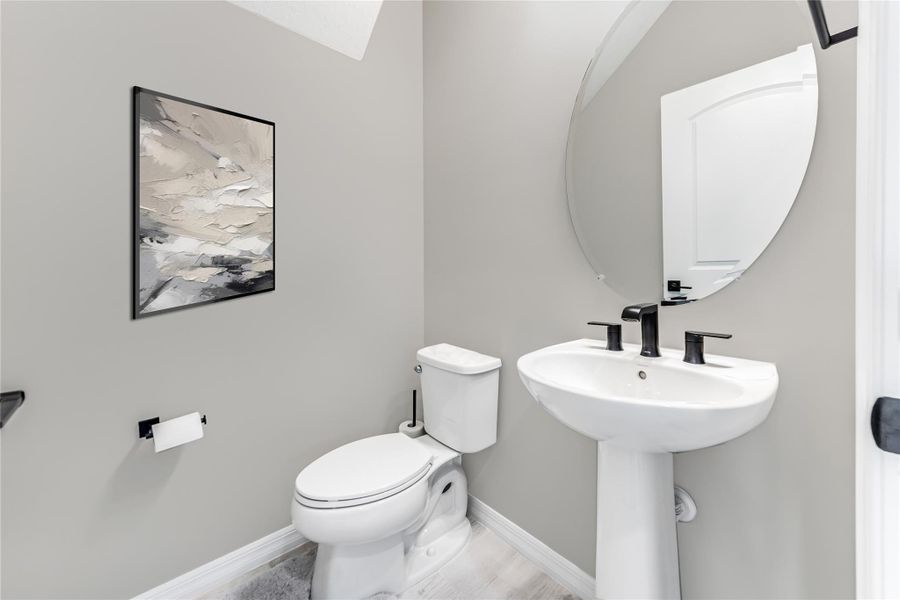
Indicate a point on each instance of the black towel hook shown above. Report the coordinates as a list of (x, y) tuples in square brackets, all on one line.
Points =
[(10, 403)]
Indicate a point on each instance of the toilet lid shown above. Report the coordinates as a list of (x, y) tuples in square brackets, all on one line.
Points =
[(367, 467)]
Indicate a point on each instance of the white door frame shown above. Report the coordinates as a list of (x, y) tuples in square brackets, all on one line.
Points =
[(877, 302)]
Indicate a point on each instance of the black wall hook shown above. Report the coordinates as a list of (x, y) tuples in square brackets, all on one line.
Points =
[(10, 403), (826, 39)]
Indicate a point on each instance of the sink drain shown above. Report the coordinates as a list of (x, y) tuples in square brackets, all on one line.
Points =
[(642, 374)]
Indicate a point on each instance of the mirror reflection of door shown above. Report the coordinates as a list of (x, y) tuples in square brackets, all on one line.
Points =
[(734, 152), (689, 142)]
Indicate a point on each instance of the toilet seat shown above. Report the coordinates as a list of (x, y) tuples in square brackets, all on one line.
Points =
[(363, 471)]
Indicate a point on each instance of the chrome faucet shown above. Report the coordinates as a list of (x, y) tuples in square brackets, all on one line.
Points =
[(648, 315)]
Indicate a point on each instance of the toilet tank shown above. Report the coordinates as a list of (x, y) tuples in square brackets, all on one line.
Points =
[(459, 396)]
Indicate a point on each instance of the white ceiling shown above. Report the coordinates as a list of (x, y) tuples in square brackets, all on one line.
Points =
[(342, 25)]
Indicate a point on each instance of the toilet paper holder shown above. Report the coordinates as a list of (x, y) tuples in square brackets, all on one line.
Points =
[(145, 427)]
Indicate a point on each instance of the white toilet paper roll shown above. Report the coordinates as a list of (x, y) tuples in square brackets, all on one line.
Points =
[(415, 431), (176, 432)]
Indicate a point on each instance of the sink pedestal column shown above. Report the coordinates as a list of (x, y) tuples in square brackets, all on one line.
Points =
[(637, 553)]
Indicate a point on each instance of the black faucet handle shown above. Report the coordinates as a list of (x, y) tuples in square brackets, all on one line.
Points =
[(613, 335), (693, 345), (697, 336)]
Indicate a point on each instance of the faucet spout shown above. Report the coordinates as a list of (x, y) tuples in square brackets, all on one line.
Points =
[(636, 311), (648, 315)]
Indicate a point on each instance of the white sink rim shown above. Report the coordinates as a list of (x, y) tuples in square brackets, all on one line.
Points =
[(733, 395), (758, 380)]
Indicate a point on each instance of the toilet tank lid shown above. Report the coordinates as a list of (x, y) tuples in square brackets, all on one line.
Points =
[(457, 360)]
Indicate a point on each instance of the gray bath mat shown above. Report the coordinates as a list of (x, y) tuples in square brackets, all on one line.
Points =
[(288, 580)]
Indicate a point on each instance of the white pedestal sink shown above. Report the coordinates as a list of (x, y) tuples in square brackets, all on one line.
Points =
[(641, 410)]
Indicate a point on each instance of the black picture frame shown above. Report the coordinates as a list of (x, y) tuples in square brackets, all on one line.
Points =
[(135, 201)]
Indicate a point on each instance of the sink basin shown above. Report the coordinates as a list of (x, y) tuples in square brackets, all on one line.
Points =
[(649, 404), (641, 410)]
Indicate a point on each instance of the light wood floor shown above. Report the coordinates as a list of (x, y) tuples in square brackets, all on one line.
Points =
[(487, 569)]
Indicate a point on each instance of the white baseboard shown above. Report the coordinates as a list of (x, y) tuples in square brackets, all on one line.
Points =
[(213, 575), (551, 562)]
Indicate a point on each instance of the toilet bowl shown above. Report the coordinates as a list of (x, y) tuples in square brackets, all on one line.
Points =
[(381, 537), (389, 510)]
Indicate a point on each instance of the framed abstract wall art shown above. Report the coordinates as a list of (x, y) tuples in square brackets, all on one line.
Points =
[(204, 204)]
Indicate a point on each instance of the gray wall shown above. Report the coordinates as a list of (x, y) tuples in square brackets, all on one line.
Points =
[(505, 275), (89, 511)]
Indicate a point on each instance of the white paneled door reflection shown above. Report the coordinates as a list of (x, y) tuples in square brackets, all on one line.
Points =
[(734, 152)]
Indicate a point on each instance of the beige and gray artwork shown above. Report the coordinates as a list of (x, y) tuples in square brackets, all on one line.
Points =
[(206, 199)]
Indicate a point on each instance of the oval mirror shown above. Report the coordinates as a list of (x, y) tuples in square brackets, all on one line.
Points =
[(689, 141)]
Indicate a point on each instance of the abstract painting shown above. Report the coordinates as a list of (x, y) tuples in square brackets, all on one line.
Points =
[(204, 204)]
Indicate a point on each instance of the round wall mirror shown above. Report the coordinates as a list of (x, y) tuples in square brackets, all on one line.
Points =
[(689, 142)]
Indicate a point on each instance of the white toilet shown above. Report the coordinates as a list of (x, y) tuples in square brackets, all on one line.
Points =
[(389, 510)]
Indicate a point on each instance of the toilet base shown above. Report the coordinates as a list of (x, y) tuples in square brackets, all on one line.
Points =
[(425, 560), (393, 564), (345, 572)]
